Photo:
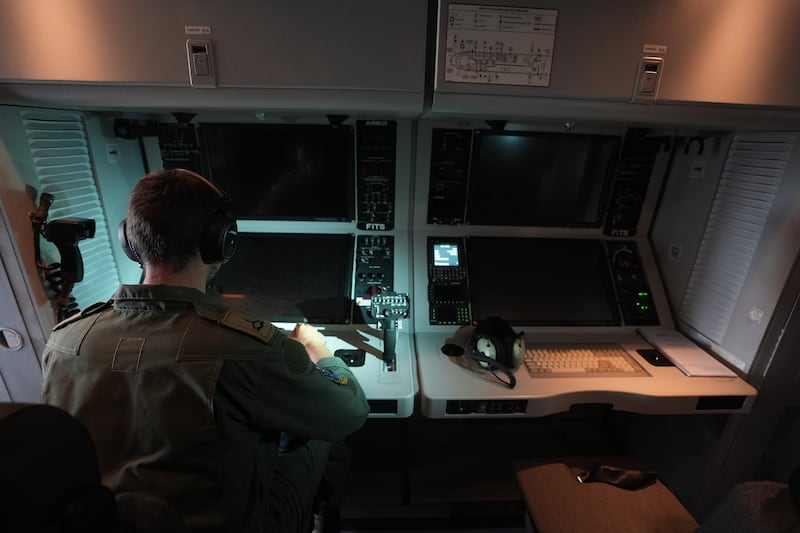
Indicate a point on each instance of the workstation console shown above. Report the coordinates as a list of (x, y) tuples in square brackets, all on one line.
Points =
[(542, 235), (318, 241)]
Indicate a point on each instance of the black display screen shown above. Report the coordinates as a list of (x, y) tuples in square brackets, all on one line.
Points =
[(541, 282), (283, 172), (290, 277), (540, 179)]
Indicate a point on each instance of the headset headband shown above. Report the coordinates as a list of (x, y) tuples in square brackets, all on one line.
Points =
[(222, 194)]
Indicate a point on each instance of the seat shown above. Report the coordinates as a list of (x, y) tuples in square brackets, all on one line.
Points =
[(49, 476), (557, 502), (759, 506)]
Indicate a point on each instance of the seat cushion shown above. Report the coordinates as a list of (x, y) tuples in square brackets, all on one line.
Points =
[(753, 506), (558, 502)]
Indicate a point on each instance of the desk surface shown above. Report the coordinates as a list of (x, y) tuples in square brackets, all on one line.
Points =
[(391, 391), (458, 387)]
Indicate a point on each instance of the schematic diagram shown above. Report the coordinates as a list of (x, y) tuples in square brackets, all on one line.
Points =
[(499, 45)]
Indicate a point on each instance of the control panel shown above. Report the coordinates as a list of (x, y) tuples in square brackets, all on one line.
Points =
[(179, 147), (486, 407), (374, 270), (376, 153), (630, 183), (633, 292), (448, 288), (450, 153)]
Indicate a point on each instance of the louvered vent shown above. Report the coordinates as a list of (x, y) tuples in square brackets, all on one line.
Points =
[(63, 166), (753, 171)]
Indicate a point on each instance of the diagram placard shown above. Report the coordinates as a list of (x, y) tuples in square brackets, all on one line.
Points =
[(499, 45)]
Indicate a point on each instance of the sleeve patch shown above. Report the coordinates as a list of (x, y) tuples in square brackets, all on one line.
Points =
[(333, 375)]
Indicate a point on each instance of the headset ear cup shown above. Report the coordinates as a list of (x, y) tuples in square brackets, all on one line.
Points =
[(487, 347), (122, 233), (509, 347), (494, 367), (495, 346), (219, 238), (518, 351), (485, 350)]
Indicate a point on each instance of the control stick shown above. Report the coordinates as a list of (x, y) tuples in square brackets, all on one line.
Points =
[(388, 308)]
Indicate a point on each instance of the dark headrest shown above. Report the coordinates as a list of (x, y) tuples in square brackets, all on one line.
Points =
[(48, 470)]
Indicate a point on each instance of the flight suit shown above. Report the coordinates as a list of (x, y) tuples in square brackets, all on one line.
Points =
[(187, 399)]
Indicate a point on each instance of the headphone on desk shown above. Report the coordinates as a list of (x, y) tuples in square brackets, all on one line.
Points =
[(219, 236), (496, 346)]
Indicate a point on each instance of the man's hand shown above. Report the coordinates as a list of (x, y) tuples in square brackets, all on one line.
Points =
[(313, 340)]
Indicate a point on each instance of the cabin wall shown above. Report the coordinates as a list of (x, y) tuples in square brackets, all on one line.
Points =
[(17, 183), (118, 165), (26, 310), (764, 238), (683, 209)]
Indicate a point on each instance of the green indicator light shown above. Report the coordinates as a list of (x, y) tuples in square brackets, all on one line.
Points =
[(642, 293)]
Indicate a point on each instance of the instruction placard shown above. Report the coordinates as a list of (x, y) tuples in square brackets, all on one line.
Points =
[(499, 45)]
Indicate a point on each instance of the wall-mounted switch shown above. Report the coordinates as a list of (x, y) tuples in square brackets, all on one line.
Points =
[(648, 78), (201, 65)]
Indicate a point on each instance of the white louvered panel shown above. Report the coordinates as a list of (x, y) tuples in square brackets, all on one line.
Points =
[(63, 166), (751, 177)]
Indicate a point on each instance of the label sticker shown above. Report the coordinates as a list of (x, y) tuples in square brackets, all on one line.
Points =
[(197, 30), (654, 49)]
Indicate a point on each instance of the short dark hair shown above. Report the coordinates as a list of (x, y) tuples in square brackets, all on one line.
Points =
[(167, 210)]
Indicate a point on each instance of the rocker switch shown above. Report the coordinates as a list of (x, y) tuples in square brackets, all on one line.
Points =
[(648, 79), (201, 70)]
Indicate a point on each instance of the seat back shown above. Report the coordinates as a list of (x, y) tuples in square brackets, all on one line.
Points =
[(49, 476)]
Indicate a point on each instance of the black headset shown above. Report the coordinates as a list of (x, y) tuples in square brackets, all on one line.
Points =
[(495, 345), (219, 236)]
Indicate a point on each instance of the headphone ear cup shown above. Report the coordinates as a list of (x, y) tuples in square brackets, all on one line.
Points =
[(484, 350), (509, 346), (485, 346), (517, 351), (122, 233), (219, 238)]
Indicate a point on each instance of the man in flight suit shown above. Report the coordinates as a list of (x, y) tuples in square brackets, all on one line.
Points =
[(186, 399)]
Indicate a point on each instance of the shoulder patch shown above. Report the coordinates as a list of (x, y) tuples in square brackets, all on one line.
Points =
[(89, 311), (246, 323), (334, 376)]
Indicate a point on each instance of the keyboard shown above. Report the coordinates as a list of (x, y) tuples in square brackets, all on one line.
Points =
[(580, 360)]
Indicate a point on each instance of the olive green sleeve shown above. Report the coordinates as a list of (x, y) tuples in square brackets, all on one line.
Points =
[(322, 401)]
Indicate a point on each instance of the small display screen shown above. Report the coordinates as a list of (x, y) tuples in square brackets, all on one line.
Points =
[(445, 255)]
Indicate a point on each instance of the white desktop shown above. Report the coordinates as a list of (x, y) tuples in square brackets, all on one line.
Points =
[(456, 387), (391, 389)]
